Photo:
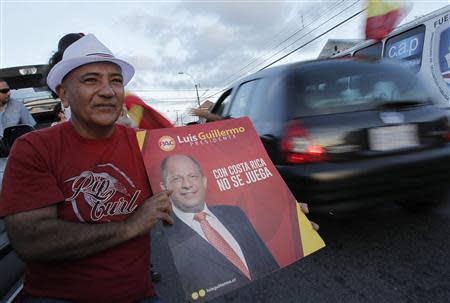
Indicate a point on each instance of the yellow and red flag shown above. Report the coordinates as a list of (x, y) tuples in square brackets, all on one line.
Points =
[(143, 114), (383, 16)]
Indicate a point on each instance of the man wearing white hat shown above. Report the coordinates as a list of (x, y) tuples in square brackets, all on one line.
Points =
[(76, 200)]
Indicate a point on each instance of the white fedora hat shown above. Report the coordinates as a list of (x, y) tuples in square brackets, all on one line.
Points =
[(87, 49)]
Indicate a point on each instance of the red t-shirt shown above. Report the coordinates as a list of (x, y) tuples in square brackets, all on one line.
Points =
[(91, 181)]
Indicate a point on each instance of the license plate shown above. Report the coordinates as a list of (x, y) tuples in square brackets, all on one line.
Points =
[(393, 137)]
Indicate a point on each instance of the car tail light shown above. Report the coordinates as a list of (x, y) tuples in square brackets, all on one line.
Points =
[(297, 147), (447, 133), (447, 136)]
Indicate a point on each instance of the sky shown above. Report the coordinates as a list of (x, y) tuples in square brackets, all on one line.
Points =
[(215, 42)]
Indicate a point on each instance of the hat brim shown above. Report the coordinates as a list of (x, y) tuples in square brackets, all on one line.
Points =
[(64, 67)]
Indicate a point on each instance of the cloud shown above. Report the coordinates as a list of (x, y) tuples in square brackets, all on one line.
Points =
[(243, 15), (150, 25), (143, 62), (208, 40), (217, 42)]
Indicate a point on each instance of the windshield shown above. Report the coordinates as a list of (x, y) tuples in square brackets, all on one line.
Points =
[(30, 94), (339, 88)]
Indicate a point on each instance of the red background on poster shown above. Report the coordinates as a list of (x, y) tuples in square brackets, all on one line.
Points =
[(268, 203)]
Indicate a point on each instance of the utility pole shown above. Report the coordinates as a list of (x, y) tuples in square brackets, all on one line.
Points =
[(196, 90), (196, 85)]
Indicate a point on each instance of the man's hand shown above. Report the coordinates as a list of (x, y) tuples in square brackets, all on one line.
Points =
[(204, 113), (305, 210), (199, 112), (158, 207)]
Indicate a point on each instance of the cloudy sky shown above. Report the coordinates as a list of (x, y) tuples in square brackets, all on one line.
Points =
[(216, 42)]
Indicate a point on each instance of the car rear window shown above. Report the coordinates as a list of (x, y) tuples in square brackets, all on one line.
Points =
[(30, 94), (339, 88)]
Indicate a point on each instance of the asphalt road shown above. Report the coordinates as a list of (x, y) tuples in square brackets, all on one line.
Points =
[(382, 255)]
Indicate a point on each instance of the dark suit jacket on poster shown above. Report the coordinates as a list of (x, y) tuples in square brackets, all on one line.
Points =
[(201, 266)]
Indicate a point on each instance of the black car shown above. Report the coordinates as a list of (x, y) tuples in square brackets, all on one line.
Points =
[(347, 133), (26, 83)]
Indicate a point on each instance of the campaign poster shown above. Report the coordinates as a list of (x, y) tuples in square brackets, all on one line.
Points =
[(235, 219)]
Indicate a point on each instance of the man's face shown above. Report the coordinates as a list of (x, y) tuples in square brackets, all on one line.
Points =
[(187, 183), (95, 94), (4, 97)]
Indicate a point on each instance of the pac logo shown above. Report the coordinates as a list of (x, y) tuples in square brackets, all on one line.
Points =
[(166, 143)]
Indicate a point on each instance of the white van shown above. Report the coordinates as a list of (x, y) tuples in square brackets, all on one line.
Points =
[(423, 45)]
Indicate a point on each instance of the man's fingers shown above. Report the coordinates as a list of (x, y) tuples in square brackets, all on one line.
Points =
[(162, 197), (164, 205), (166, 193), (304, 208), (167, 208), (166, 218)]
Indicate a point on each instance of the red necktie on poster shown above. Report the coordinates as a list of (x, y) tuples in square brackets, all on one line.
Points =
[(219, 243)]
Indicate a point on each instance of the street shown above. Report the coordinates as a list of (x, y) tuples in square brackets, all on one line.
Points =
[(382, 255)]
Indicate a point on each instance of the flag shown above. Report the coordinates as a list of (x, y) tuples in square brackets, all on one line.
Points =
[(143, 114), (383, 16)]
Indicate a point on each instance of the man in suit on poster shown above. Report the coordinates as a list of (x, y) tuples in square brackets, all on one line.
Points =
[(215, 248)]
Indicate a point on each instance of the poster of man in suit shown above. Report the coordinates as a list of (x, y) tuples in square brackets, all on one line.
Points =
[(235, 220)]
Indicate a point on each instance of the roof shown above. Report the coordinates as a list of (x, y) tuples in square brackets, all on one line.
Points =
[(335, 46), (306, 66)]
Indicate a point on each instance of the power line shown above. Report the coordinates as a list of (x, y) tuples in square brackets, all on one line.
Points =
[(314, 39), (289, 53), (303, 45), (230, 82), (255, 58), (298, 39), (312, 30)]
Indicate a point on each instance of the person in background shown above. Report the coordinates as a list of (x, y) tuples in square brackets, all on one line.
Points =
[(59, 114), (12, 112), (63, 43), (83, 229)]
